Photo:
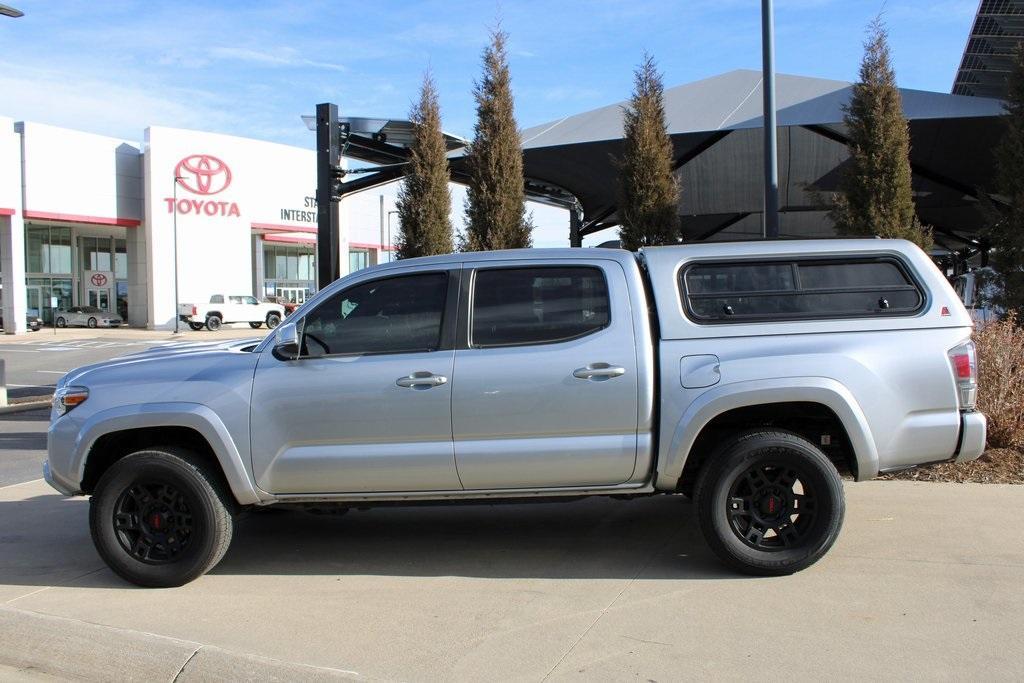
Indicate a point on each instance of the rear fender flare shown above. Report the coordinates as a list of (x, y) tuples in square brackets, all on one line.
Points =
[(723, 398)]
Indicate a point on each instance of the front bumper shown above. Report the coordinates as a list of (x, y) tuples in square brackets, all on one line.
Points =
[(973, 427), (53, 481)]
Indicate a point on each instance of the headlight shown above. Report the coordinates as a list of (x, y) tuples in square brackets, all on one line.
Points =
[(66, 398)]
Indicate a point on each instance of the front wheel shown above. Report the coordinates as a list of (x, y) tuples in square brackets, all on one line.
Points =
[(213, 323), (770, 503), (159, 518), (91, 323), (273, 320)]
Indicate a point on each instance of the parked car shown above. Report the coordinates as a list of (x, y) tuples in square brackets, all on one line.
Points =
[(85, 316), (230, 309), (743, 375), (34, 322)]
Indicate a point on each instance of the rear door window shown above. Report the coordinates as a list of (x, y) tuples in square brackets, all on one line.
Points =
[(537, 305), (804, 289)]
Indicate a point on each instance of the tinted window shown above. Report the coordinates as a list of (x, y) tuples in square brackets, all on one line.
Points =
[(394, 315), (217, 299), (537, 305), (799, 289)]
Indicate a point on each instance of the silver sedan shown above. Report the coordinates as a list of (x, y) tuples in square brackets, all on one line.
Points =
[(86, 316)]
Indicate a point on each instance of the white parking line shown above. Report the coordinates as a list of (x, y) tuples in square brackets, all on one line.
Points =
[(54, 372)]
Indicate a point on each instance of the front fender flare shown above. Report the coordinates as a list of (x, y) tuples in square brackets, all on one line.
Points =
[(723, 398), (193, 415)]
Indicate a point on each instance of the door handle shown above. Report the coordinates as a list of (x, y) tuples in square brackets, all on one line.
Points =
[(421, 380), (599, 372)]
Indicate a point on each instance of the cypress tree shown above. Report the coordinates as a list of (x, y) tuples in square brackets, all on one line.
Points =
[(648, 191), (1007, 234), (424, 202), (495, 213), (876, 196)]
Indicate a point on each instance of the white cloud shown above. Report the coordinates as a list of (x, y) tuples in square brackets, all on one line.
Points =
[(288, 57)]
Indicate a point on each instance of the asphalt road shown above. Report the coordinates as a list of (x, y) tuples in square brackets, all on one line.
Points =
[(22, 446)]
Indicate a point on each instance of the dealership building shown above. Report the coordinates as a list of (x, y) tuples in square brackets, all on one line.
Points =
[(92, 220)]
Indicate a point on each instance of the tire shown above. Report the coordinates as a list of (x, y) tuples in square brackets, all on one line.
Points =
[(255, 326), (91, 323), (213, 323), (751, 483), (144, 552), (61, 322), (196, 326), (273, 320)]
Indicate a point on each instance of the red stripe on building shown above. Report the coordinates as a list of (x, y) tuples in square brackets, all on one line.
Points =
[(360, 245), (276, 227), (7, 212), (91, 220), (289, 239)]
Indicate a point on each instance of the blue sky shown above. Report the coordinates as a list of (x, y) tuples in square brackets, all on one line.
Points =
[(251, 69)]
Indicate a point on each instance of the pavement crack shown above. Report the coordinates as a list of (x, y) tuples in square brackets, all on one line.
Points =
[(190, 658)]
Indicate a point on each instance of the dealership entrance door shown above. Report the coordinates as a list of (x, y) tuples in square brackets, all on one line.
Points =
[(98, 287)]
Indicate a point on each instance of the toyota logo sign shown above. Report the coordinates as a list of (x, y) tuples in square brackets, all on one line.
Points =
[(203, 174), (98, 279)]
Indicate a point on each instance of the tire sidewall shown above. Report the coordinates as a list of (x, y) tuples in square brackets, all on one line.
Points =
[(213, 323), (814, 468), (155, 466)]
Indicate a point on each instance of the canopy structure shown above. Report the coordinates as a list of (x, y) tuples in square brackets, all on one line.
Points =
[(715, 127), (988, 56)]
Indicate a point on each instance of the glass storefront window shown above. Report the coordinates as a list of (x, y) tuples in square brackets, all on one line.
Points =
[(48, 250), (358, 259)]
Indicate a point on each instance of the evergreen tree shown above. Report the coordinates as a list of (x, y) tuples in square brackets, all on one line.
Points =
[(424, 202), (1007, 234), (876, 197), (495, 213), (648, 191)]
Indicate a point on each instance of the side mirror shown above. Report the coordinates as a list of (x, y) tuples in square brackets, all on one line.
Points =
[(286, 342)]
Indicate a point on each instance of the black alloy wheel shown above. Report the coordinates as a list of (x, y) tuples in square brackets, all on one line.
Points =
[(213, 323), (769, 503), (153, 522)]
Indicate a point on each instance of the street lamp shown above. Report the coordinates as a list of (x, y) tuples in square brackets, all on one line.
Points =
[(177, 318), (390, 253), (771, 166), (8, 11)]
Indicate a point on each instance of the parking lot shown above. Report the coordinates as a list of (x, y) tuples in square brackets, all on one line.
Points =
[(923, 583)]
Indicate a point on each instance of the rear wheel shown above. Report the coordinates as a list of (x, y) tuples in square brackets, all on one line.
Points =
[(159, 518), (91, 322), (61, 322), (273, 320), (213, 323), (196, 326), (256, 325), (770, 503)]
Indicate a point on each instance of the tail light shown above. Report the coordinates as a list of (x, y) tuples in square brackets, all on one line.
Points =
[(193, 310), (964, 362)]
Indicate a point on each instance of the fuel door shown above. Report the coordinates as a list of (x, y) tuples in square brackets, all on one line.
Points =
[(697, 372)]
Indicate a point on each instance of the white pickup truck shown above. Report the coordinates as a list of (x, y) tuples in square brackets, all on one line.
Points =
[(230, 309)]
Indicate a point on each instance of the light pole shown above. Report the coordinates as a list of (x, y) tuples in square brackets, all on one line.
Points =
[(177, 318), (771, 166), (9, 11), (390, 253)]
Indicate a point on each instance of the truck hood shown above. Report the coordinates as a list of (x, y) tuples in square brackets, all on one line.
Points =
[(175, 358)]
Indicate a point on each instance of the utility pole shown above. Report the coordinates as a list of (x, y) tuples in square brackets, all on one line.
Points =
[(328, 224), (771, 165)]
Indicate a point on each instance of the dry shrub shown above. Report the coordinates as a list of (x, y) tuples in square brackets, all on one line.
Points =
[(1001, 381)]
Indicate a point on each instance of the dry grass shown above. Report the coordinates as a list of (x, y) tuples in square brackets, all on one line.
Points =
[(995, 466)]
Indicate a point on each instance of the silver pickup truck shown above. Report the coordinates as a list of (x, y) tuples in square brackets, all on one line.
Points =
[(747, 376)]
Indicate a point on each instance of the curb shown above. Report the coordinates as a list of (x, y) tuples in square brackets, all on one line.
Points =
[(25, 407), (44, 644)]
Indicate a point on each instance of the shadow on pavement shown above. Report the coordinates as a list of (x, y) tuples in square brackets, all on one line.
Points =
[(45, 541), (22, 441)]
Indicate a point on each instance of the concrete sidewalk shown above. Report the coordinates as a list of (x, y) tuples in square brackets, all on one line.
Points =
[(925, 582)]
